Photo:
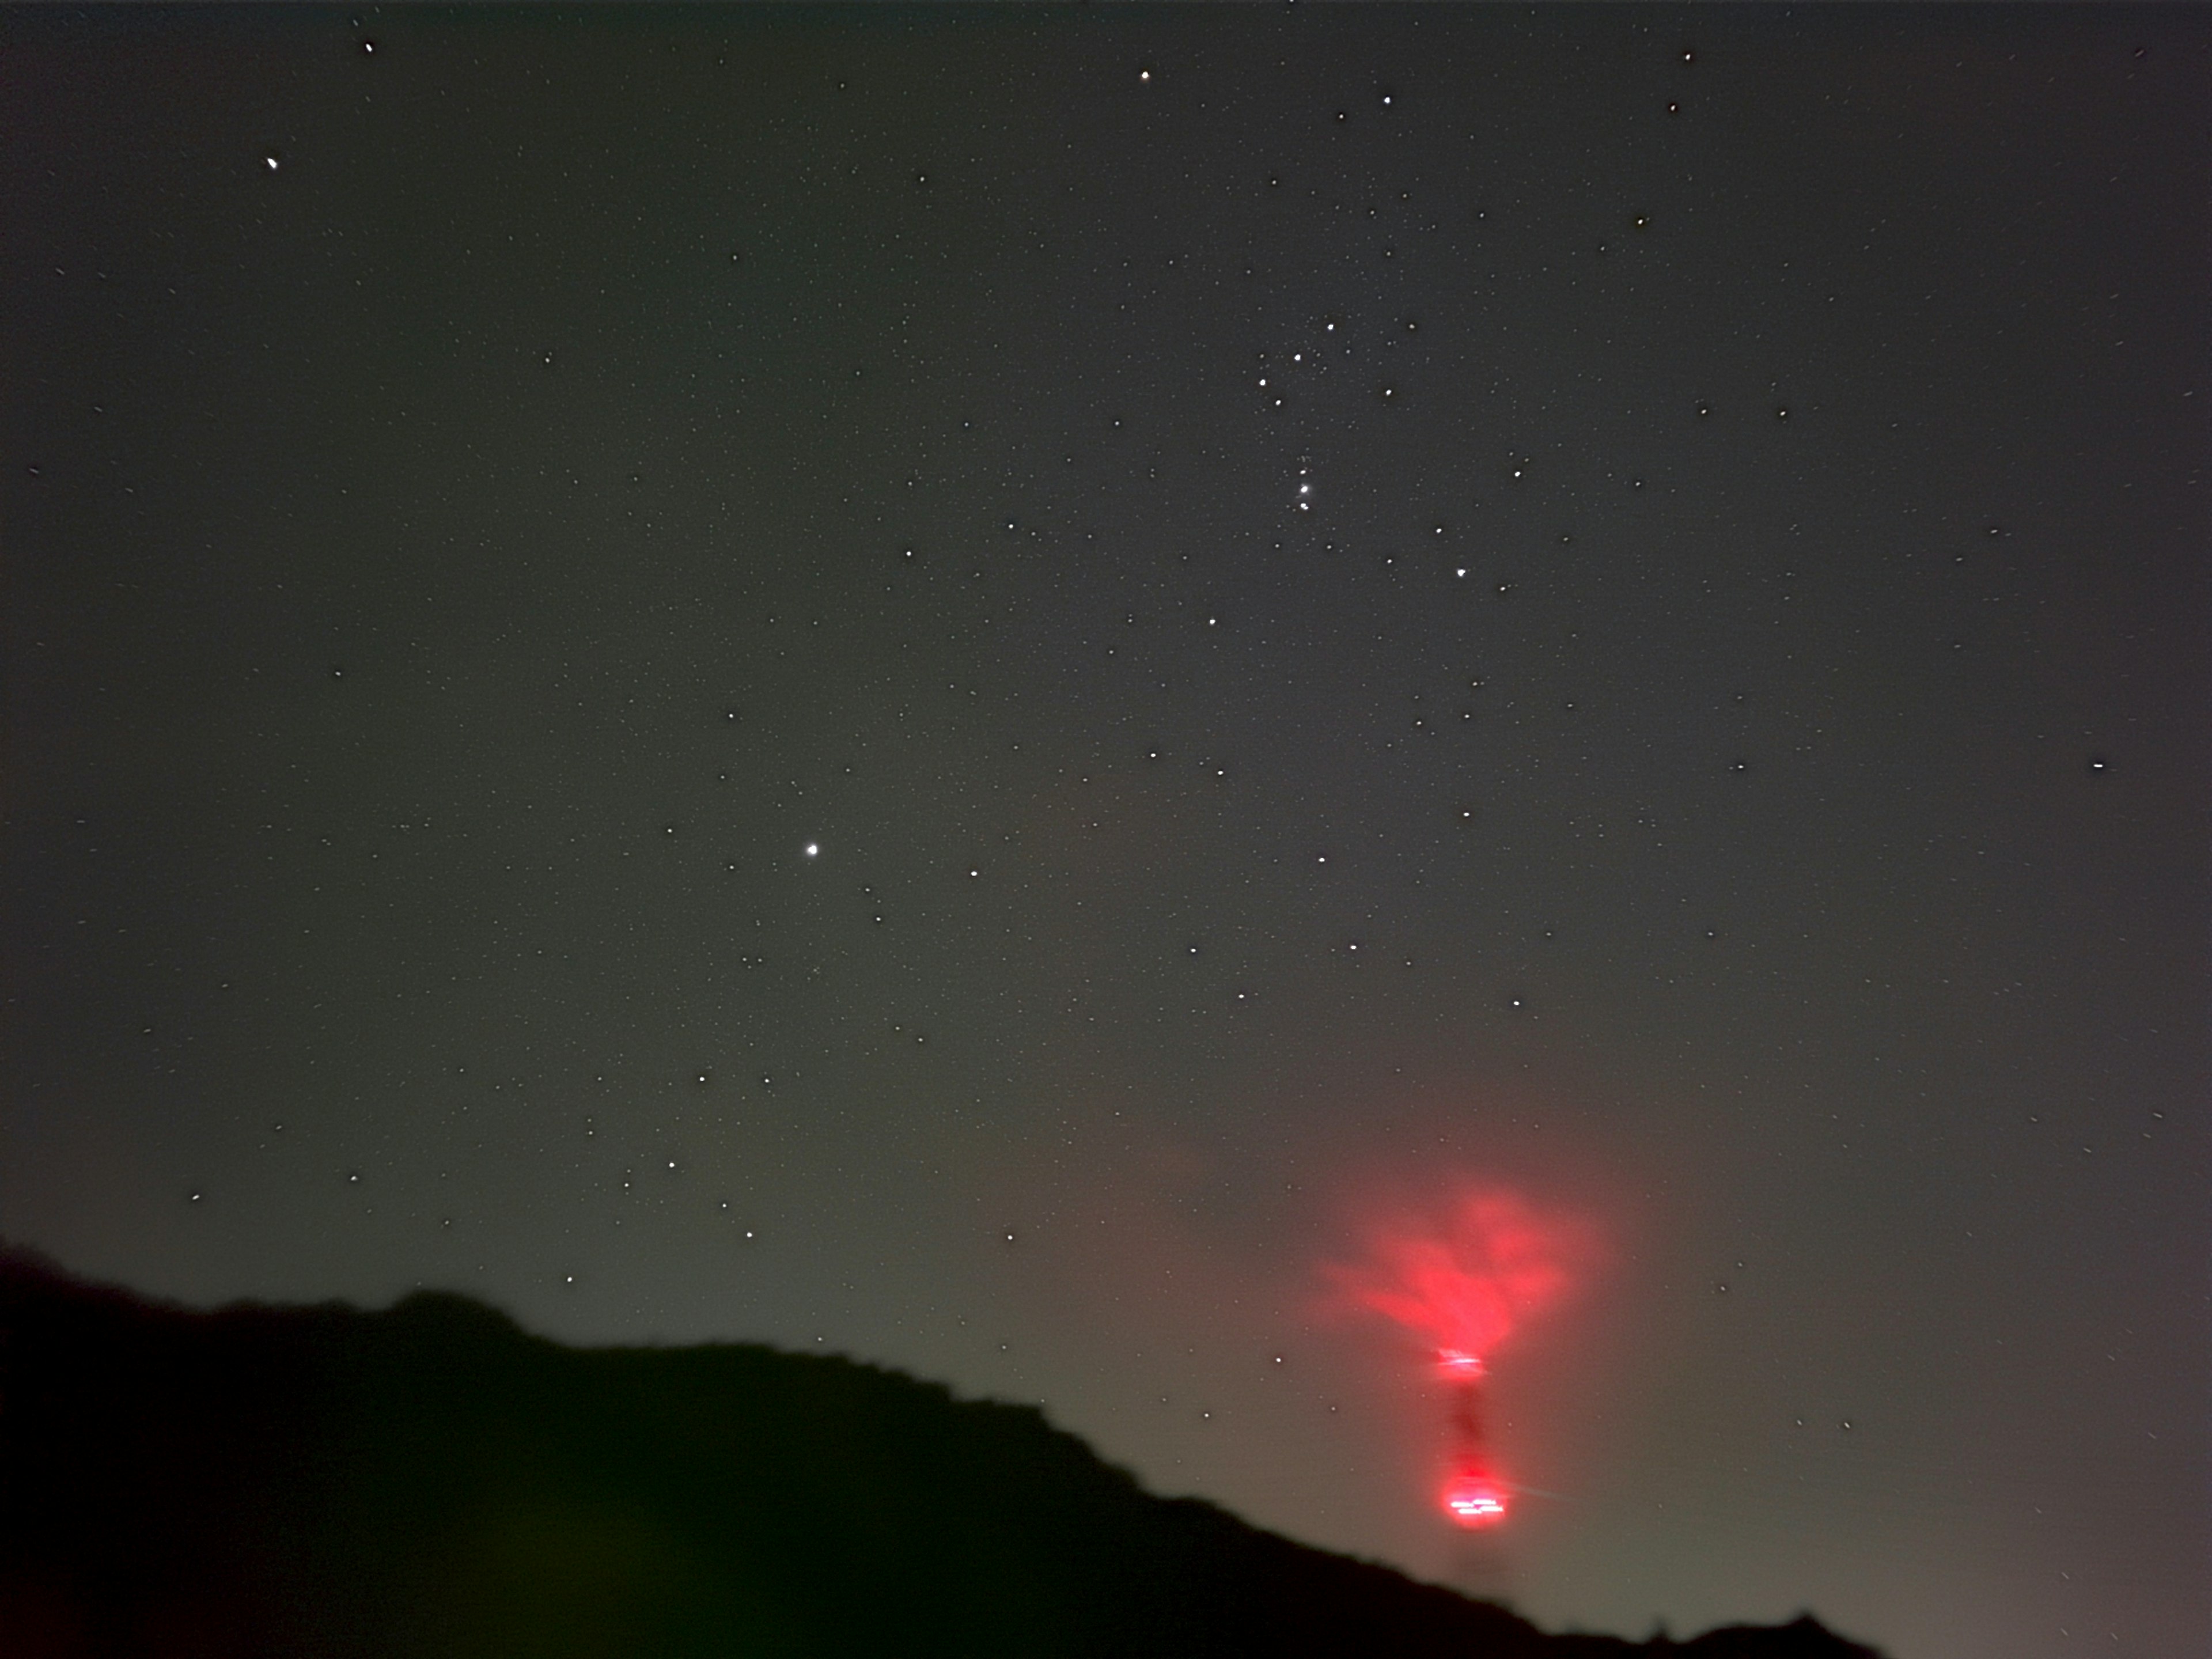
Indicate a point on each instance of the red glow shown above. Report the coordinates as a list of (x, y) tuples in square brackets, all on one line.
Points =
[(1457, 1367), (1466, 1286), (1461, 1283), (1472, 1498)]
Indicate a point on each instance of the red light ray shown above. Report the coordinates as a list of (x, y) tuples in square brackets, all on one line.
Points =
[(1462, 1285)]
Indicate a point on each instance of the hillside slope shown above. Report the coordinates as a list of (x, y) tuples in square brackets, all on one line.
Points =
[(433, 1481)]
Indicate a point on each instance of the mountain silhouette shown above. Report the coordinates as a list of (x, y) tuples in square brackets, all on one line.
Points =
[(323, 1483)]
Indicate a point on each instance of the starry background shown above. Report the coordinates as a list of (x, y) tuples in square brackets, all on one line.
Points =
[(936, 684)]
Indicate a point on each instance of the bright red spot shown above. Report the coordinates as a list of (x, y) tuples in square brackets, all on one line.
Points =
[(1472, 1498), (1456, 1367), (1465, 1283)]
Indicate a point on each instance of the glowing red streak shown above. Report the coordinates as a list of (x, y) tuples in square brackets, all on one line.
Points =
[(1474, 1500), (1462, 1288)]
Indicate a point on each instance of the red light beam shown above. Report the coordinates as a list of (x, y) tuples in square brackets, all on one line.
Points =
[(1463, 1286)]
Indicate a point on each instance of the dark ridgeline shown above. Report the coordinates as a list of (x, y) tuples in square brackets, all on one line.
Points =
[(431, 1480)]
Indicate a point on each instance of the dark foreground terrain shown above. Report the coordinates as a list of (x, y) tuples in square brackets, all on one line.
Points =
[(430, 1480)]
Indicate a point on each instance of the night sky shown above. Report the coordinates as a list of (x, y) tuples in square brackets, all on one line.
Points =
[(962, 686)]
